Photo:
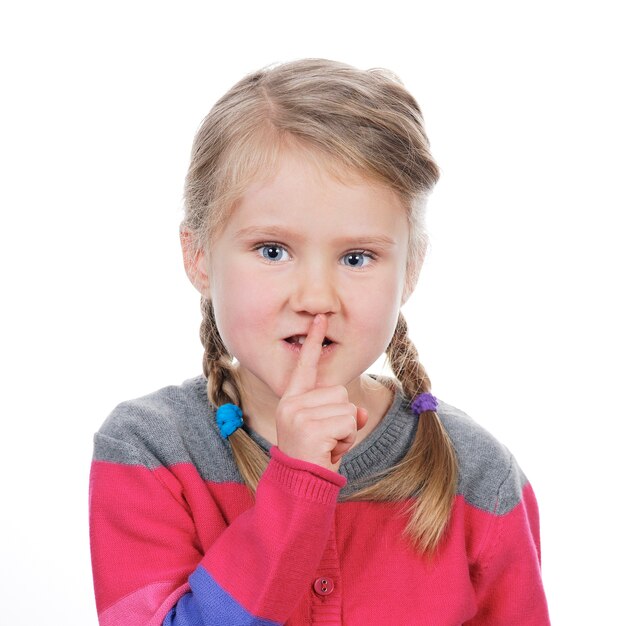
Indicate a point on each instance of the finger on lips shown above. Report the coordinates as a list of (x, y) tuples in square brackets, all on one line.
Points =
[(336, 418), (304, 375)]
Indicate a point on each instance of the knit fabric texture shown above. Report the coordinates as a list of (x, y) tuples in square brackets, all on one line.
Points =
[(178, 539)]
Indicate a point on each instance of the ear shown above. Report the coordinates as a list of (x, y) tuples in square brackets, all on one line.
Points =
[(195, 261)]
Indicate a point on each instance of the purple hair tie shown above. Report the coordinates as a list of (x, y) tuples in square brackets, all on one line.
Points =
[(424, 402)]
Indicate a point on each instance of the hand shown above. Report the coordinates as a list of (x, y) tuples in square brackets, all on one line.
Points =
[(316, 424)]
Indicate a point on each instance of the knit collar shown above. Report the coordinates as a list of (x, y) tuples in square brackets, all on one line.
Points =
[(385, 446)]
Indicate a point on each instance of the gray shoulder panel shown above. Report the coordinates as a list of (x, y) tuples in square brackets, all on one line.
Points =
[(173, 425), (176, 424), (489, 477), (107, 448)]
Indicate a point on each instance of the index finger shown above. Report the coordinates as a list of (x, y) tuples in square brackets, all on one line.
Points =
[(305, 373)]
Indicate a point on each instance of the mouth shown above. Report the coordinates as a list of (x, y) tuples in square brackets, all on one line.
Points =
[(298, 340)]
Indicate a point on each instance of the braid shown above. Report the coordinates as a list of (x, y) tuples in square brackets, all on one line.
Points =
[(429, 469), (223, 387), (405, 363), (216, 363)]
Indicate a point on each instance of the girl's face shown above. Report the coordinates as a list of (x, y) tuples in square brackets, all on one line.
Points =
[(300, 244)]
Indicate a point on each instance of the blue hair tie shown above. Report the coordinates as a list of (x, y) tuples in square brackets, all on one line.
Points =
[(228, 418), (424, 402)]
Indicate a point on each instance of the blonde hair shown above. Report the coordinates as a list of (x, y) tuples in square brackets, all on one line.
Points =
[(352, 122)]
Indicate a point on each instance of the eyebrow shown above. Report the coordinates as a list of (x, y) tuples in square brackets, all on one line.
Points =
[(283, 233)]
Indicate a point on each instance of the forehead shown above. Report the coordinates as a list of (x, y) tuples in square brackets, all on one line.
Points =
[(308, 195)]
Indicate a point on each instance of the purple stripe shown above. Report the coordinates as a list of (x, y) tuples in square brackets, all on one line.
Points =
[(209, 604)]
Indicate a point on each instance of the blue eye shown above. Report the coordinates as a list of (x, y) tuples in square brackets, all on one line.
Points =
[(357, 258), (271, 251)]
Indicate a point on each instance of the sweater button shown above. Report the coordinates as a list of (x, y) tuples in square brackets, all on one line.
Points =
[(323, 586)]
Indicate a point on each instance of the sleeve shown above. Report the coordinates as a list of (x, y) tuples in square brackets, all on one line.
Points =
[(149, 568), (507, 579)]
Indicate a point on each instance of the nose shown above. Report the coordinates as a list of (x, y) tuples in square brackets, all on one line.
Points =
[(315, 290)]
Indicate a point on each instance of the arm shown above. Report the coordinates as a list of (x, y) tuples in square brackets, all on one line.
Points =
[(149, 568), (507, 579)]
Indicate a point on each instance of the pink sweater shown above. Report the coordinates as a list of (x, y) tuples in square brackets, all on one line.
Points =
[(177, 538)]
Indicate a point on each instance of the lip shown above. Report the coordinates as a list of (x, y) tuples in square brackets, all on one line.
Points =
[(296, 347), (306, 332)]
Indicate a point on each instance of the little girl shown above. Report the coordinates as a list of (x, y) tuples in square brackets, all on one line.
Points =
[(285, 485)]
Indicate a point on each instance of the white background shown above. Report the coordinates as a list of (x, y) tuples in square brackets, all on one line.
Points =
[(518, 315)]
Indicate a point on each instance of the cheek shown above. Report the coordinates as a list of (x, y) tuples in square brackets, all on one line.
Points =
[(379, 316), (380, 325), (242, 305)]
